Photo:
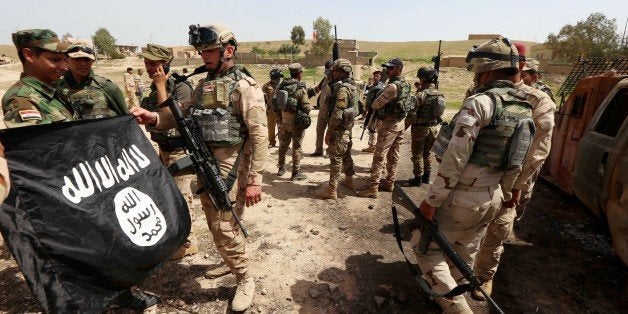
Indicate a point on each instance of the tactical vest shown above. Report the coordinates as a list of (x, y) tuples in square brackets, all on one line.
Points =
[(90, 102), (352, 104), (214, 111), (291, 86), (432, 106), (168, 140), (504, 143), (401, 105)]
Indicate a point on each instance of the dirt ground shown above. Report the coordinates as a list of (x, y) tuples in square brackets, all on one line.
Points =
[(320, 256)]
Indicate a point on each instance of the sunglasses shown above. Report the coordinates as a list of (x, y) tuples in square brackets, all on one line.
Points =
[(87, 50)]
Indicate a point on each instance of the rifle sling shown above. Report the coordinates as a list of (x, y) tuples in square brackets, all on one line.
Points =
[(417, 276), (233, 173)]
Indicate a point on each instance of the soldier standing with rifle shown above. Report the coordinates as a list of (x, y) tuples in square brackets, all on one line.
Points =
[(230, 111), (467, 194), (368, 116), (273, 117)]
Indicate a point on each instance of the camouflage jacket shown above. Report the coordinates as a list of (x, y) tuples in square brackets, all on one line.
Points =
[(30, 101), (115, 98), (544, 88)]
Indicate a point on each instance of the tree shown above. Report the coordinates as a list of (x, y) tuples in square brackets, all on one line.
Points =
[(104, 42), (324, 39), (258, 51), (594, 37), (286, 49), (297, 35)]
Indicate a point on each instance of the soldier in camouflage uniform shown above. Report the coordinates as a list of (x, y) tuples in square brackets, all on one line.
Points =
[(156, 61), (342, 109), (501, 226), (531, 77), (273, 117), (324, 87), (370, 97), (34, 98), (92, 96), (466, 194), (297, 104), (229, 107), (430, 107), (130, 88), (389, 127)]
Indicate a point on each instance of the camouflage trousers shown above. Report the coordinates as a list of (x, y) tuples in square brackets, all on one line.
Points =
[(372, 137), (294, 135), (339, 152), (462, 220), (271, 120), (497, 232), (321, 125), (132, 99), (386, 154), (184, 183), (422, 141)]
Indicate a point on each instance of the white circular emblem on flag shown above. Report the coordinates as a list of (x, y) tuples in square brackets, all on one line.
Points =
[(140, 218)]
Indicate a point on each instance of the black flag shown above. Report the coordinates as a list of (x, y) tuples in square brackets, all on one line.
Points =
[(91, 211)]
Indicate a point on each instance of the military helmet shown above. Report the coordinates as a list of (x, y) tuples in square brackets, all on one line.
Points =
[(426, 74), (275, 74), (497, 53), (210, 36), (343, 64)]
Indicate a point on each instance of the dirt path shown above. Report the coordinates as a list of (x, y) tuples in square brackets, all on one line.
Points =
[(316, 256)]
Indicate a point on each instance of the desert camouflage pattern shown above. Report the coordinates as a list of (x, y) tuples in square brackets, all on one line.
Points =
[(30, 102), (502, 225), (389, 137), (339, 149), (322, 120), (423, 137), (273, 120), (130, 88), (467, 197), (544, 88), (248, 101), (291, 133)]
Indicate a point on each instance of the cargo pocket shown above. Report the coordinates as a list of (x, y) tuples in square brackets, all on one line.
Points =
[(464, 209)]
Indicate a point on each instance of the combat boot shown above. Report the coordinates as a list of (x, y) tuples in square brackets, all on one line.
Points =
[(317, 153), (298, 176), (416, 181), (387, 186), (487, 286), (348, 183), (370, 149), (219, 271), (281, 171), (244, 293), (426, 177), (328, 192), (369, 192)]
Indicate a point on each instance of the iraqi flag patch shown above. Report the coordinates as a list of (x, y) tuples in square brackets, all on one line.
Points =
[(29, 115)]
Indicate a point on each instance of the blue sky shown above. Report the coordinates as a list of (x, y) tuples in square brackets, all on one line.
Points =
[(166, 22)]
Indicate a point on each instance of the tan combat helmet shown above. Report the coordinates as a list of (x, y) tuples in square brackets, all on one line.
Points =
[(497, 53), (343, 64), (210, 36)]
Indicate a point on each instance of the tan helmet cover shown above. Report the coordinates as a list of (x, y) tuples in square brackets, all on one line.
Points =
[(343, 64), (497, 53), (224, 36)]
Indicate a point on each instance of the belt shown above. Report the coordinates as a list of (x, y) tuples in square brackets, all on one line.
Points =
[(471, 188)]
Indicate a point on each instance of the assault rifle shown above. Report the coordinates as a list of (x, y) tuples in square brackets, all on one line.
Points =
[(178, 78), (371, 96), (205, 165), (335, 53), (436, 60), (429, 233)]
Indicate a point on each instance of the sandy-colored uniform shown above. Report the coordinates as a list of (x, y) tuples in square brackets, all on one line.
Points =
[(271, 116), (501, 226), (423, 134), (389, 137), (130, 88), (30, 101), (467, 197), (370, 97), (291, 133), (322, 120), (248, 101), (544, 88), (339, 149)]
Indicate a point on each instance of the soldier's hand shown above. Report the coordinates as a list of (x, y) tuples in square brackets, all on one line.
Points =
[(514, 200), (253, 194), (143, 116), (160, 77), (427, 211)]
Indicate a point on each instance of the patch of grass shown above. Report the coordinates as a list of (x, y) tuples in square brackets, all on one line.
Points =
[(454, 105)]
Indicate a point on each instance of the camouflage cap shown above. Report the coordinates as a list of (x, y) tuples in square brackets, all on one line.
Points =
[(343, 64), (157, 53), (38, 38), (531, 65), (81, 51), (295, 68)]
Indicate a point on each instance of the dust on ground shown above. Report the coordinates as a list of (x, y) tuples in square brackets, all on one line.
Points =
[(313, 256)]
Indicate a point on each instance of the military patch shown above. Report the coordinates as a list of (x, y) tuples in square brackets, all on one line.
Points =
[(29, 115), (209, 87)]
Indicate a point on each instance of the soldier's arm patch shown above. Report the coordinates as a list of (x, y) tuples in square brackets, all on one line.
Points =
[(30, 115)]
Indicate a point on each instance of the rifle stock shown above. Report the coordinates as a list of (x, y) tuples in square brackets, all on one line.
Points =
[(430, 232), (205, 165)]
